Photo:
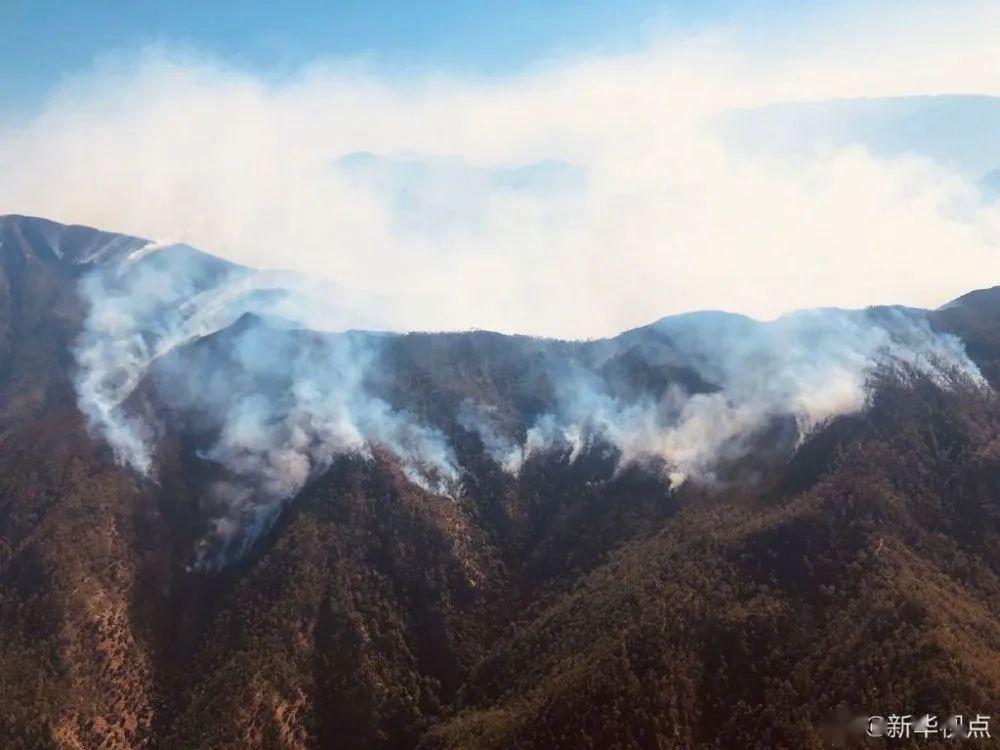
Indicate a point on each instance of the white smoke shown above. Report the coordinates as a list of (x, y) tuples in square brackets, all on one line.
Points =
[(137, 312), (305, 405), (481, 419), (278, 412), (809, 366), (500, 203), (176, 339)]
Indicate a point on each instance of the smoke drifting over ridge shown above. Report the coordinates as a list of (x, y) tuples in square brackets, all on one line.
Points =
[(236, 360), (808, 367), (278, 401)]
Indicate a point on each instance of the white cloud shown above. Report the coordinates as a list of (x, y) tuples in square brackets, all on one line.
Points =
[(576, 200)]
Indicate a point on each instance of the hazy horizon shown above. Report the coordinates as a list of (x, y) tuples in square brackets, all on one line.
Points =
[(580, 183)]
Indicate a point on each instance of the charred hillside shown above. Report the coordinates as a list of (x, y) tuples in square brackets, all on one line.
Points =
[(223, 528)]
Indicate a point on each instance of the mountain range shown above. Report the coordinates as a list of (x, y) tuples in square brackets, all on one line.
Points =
[(224, 526)]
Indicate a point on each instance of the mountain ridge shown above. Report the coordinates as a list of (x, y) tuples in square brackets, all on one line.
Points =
[(835, 558), (80, 237)]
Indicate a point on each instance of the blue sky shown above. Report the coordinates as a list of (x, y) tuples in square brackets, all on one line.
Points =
[(44, 40)]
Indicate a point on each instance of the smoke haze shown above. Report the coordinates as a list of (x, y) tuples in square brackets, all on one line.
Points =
[(444, 202), (226, 356), (582, 197)]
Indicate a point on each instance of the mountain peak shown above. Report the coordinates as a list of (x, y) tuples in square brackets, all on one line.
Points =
[(983, 300), (69, 244)]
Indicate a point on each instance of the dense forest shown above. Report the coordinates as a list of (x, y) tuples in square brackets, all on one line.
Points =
[(578, 603)]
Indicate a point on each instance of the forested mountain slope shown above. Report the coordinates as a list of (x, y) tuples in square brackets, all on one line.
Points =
[(462, 543)]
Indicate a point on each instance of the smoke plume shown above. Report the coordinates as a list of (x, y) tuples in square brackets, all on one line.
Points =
[(801, 370), (238, 361), (225, 351)]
